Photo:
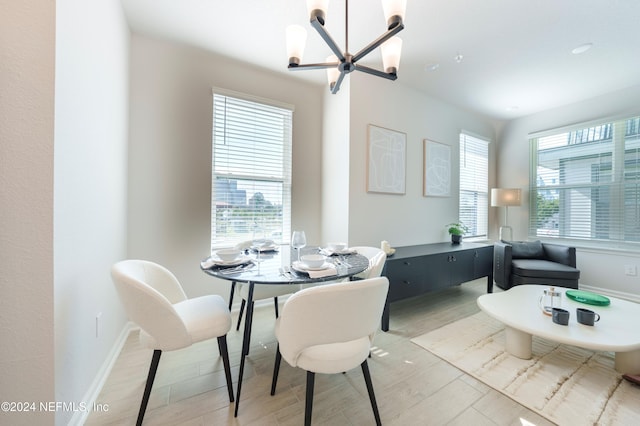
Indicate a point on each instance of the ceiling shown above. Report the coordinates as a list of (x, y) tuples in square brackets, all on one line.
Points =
[(517, 56)]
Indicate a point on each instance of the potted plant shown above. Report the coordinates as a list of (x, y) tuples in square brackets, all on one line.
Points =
[(457, 230)]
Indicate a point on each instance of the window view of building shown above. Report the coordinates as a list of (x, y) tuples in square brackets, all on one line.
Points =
[(587, 183), (251, 187)]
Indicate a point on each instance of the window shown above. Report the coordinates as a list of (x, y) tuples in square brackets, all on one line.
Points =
[(585, 183), (251, 170), (474, 184)]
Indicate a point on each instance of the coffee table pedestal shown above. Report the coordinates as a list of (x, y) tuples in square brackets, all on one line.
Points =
[(518, 343)]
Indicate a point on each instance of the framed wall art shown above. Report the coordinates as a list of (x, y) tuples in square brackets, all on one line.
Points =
[(386, 161), (437, 169)]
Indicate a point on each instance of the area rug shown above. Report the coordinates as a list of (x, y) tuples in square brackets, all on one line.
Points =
[(565, 384)]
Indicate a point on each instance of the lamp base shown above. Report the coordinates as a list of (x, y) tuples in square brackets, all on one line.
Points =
[(506, 233)]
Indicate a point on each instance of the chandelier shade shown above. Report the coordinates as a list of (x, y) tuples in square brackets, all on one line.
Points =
[(342, 62)]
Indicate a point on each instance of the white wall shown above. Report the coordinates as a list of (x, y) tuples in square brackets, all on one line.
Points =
[(90, 223), (27, 31), (170, 152), (600, 270), (411, 218)]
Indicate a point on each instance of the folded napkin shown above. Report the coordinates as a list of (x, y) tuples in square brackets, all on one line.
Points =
[(207, 263), (323, 272), (329, 252)]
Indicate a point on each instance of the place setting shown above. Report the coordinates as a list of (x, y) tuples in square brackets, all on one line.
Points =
[(228, 261), (315, 266)]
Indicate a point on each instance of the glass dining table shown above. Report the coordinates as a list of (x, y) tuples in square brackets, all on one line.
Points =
[(275, 268)]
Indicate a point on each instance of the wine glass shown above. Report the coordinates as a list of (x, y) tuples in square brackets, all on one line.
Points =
[(298, 241)]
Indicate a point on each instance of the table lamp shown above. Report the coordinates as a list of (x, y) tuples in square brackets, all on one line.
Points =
[(505, 197)]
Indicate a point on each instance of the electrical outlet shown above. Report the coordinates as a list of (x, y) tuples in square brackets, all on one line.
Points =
[(98, 317), (630, 270)]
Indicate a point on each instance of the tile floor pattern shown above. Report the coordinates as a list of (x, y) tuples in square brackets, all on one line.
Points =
[(413, 387)]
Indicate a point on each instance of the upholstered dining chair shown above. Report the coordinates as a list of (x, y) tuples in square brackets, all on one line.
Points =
[(154, 299), (377, 257), (329, 329)]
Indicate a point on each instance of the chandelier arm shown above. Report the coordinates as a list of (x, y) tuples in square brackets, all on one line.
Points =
[(336, 86), (377, 42), (315, 23), (372, 71), (317, 66)]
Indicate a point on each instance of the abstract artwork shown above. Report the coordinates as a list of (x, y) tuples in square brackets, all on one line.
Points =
[(437, 169), (386, 163)]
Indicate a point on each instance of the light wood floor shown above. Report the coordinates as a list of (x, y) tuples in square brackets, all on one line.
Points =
[(413, 387)]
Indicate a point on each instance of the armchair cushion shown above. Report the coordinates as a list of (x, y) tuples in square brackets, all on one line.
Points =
[(537, 268), (526, 250)]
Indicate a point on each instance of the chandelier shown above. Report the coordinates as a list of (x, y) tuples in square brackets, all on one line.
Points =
[(342, 63)]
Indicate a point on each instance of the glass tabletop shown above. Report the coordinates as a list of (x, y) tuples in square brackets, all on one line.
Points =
[(275, 268)]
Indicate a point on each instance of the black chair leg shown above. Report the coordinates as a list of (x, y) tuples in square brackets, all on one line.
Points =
[(224, 352), (308, 406), (147, 389), (372, 396), (242, 305), (231, 293), (276, 370), (275, 305)]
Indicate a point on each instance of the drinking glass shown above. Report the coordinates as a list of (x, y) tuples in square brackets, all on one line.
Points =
[(298, 241)]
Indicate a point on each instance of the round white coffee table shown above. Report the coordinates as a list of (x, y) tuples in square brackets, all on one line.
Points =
[(617, 331)]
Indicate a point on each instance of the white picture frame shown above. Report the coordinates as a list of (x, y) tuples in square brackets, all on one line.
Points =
[(386, 161), (437, 169)]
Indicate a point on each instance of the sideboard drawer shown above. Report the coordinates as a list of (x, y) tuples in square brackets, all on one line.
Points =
[(407, 278)]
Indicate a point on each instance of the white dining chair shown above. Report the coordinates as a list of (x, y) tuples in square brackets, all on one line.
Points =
[(329, 329), (377, 257), (154, 299)]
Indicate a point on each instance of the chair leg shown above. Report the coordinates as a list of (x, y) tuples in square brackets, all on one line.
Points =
[(275, 305), (155, 360), (308, 406), (244, 302), (231, 293), (372, 396), (224, 352), (276, 370)]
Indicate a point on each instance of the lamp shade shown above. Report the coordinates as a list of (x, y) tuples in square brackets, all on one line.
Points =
[(296, 40), (391, 50), (333, 73), (501, 197), (317, 8), (393, 8)]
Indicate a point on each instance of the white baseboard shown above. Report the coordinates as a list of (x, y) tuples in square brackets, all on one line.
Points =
[(80, 417), (613, 293)]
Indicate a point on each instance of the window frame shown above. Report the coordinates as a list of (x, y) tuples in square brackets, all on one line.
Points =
[(611, 175), (251, 179), (480, 194)]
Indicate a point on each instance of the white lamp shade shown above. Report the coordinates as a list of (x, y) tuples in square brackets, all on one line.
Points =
[(296, 40), (322, 5), (394, 8), (391, 50), (333, 73), (501, 197)]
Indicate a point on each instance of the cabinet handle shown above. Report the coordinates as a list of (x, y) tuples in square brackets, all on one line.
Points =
[(407, 263), (406, 282), (451, 258)]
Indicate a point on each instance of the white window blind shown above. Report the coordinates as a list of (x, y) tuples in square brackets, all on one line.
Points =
[(474, 184), (585, 183), (251, 171)]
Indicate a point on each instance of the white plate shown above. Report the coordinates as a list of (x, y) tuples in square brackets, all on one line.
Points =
[(328, 252), (299, 266), (266, 248), (239, 261)]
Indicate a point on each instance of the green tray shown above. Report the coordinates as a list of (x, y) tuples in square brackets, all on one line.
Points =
[(588, 298)]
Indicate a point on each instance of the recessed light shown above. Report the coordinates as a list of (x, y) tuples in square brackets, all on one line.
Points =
[(458, 58), (431, 67), (582, 48)]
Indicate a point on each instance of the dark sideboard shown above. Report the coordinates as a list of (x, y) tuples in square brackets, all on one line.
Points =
[(415, 270)]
